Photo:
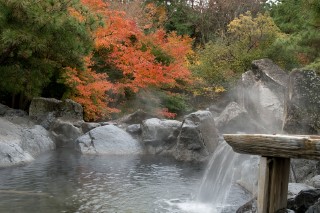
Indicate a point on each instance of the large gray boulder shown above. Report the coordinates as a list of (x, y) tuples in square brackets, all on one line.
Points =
[(302, 108), (21, 143), (234, 118), (65, 133), (159, 136), (46, 110), (261, 93), (270, 73), (194, 139), (63, 119), (108, 139), (302, 116), (198, 137)]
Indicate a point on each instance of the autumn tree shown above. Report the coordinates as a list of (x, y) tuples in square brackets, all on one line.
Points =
[(128, 60), (247, 39), (90, 89), (37, 40)]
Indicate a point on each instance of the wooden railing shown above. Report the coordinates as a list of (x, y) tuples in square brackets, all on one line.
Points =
[(275, 152)]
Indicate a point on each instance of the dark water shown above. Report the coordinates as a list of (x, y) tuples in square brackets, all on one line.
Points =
[(66, 182)]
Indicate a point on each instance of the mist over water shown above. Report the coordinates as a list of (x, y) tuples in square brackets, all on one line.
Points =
[(61, 181), (227, 179)]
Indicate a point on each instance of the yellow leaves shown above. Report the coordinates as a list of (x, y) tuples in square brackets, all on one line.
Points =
[(75, 13), (208, 90), (253, 32), (154, 16), (219, 89)]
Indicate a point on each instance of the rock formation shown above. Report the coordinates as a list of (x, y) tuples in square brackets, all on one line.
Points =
[(302, 108), (108, 139), (21, 140)]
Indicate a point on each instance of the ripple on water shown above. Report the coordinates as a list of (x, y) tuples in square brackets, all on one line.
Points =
[(184, 206), (85, 184)]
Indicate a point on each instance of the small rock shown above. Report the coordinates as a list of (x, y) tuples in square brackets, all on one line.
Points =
[(87, 126), (295, 188), (65, 133), (249, 207), (134, 129), (314, 208), (304, 200), (315, 181), (135, 118)]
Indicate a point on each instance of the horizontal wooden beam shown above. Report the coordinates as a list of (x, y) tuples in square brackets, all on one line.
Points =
[(285, 146)]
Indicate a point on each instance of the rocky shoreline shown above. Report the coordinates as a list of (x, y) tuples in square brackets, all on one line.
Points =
[(266, 100)]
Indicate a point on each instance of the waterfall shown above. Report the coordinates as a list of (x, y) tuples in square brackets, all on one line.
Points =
[(225, 172)]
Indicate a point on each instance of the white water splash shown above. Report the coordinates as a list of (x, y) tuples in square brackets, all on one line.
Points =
[(219, 187)]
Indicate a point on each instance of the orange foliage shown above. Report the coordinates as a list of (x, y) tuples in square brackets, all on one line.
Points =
[(90, 90), (154, 16), (164, 112), (303, 58), (97, 6), (178, 47), (130, 51), (75, 13)]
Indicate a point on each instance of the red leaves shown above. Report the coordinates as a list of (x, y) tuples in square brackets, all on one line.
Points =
[(90, 90), (130, 51), (164, 112)]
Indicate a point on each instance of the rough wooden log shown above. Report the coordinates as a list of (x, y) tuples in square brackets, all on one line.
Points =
[(285, 146), (275, 163)]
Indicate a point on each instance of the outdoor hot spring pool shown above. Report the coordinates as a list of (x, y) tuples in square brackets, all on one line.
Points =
[(61, 181)]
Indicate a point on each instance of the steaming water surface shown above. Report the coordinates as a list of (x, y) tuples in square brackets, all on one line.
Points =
[(65, 182)]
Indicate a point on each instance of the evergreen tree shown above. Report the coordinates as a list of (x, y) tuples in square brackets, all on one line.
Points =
[(300, 19), (37, 40)]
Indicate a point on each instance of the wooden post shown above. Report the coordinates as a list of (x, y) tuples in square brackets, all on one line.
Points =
[(275, 163), (273, 184), (263, 185)]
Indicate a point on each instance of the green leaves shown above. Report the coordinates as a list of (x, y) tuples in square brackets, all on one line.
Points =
[(300, 19), (248, 38), (38, 38)]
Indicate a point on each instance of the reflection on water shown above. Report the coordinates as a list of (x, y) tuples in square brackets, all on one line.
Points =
[(66, 182)]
